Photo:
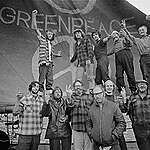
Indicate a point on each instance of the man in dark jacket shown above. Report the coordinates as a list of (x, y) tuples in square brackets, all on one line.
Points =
[(58, 129), (105, 123), (139, 113)]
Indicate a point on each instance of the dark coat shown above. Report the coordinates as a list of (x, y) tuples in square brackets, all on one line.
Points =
[(58, 125)]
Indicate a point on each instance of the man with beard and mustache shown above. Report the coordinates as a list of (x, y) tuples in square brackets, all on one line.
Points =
[(28, 108), (139, 113), (78, 115), (58, 130)]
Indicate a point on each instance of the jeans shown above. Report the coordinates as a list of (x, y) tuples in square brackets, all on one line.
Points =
[(102, 70), (124, 63), (46, 73), (142, 136), (60, 143), (145, 67), (113, 147), (28, 142), (81, 141)]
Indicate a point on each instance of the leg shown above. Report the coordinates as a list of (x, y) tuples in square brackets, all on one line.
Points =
[(104, 68), (98, 77), (115, 147), (24, 142), (77, 140), (145, 68), (66, 143), (35, 142), (49, 76), (141, 138), (90, 75), (79, 73), (122, 143), (42, 74), (119, 77), (54, 144), (129, 69), (87, 143)]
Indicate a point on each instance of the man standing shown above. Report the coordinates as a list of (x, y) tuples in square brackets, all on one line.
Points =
[(105, 123), (123, 60), (143, 46), (83, 54), (100, 52), (28, 108), (139, 113), (46, 54), (120, 100), (78, 115)]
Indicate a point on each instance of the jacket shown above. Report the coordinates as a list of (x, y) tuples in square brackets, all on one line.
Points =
[(58, 125), (105, 122)]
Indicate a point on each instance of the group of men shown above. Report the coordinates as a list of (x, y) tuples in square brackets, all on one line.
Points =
[(96, 117)]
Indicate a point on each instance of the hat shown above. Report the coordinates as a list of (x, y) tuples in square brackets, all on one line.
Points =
[(78, 30), (141, 81)]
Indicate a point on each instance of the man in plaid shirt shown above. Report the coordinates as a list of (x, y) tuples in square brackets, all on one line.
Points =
[(28, 108), (139, 113), (78, 115), (83, 54)]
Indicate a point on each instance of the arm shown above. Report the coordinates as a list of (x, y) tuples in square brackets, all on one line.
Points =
[(106, 39), (74, 57), (18, 108), (111, 52), (34, 13), (90, 49), (89, 126), (120, 123)]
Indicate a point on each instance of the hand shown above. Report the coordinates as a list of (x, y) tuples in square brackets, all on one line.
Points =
[(59, 53), (123, 24), (19, 95), (107, 148), (69, 90), (34, 12), (148, 17), (123, 92), (88, 62)]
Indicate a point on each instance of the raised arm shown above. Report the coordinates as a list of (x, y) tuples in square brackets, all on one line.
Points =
[(34, 14)]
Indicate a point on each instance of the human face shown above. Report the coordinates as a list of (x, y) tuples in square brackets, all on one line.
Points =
[(109, 87), (142, 31), (49, 35), (78, 88), (57, 93), (96, 36), (35, 88), (98, 95), (142, 87), (78, 35), (115, 36)]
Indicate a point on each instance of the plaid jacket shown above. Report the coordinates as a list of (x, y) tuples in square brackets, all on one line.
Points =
[(79, 112), (83, 51), (139, 110), (28, 109)]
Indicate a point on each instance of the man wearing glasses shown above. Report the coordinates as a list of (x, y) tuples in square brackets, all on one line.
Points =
[(105, 123)]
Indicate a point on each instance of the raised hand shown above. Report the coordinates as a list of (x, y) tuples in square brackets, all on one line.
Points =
[(69, 90), (123, 24), (123, 92), (34, 12), (148, 17)]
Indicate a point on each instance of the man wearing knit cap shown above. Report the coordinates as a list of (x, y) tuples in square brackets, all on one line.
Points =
[(139, 113)]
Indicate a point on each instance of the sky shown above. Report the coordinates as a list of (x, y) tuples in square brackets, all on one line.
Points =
[(142, 5)]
